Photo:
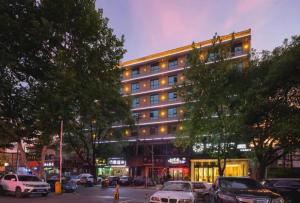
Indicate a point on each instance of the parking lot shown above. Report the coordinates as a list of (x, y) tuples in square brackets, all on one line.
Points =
[(94, 194)]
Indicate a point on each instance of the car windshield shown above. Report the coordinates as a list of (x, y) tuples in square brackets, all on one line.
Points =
[(28, 178), (176, 186), (239, 183)]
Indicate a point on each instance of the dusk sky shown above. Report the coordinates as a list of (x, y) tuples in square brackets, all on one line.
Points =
[(151, 26)]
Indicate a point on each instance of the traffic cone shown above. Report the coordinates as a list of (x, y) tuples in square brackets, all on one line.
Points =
[(117, 193)]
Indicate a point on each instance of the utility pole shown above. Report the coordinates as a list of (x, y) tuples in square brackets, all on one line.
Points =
[(60, 151)]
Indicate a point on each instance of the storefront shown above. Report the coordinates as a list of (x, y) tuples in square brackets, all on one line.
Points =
[(178, 168), (207, 169), (114, 167)]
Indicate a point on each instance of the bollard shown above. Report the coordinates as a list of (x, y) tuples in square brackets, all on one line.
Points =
[(57, 187), (117, 192)]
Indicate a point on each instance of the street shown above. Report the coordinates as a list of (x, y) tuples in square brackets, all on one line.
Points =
[(88, 195)]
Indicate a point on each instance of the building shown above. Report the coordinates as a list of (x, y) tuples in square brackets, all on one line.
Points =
[(149, 82)]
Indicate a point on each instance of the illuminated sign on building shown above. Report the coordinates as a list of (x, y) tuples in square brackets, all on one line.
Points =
[(48, 164), (177, 160), (199, 147), (100, 162), (116, 162)]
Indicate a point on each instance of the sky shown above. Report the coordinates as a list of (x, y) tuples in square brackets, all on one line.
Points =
[(151, 26)]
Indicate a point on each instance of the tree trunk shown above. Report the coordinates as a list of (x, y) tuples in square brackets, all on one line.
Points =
[(43, 155), (22, 159), (260, 172)]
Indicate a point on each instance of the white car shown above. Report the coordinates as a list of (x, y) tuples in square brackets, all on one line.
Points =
[(23, 185), (82, 178), (174, 192)]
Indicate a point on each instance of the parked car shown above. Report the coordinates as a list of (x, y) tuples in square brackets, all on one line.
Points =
[(67, 185), (125, 180), (83, 179), (23, 185), (113, 180), (240, 189), (201, 190), (173, 192), (289, 188), (139, 180)]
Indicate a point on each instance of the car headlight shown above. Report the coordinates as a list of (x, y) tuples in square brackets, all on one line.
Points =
[(227, 197), (185, 201), (155, 198), (278, 200)]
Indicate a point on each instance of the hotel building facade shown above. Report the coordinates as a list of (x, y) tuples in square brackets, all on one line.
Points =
[(158, 110)]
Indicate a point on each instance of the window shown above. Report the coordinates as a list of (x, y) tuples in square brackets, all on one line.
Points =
[(173, 64), (135, 72), (154, 83), (134, 132), (136, 116), (154, 68), (237, 49), (9, 177), (136, 102), (211, 57), (172, 113), (172, 129), (172, 96), (154, 115), (153, 130), (135, 87), (239, 67), (154, 99), (172, 80)]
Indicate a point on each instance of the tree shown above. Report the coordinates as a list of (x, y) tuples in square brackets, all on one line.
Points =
[(212, 103), (63, 57), (271, 111)]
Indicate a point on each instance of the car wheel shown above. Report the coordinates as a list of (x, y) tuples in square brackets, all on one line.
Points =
[(45, 194), (18, 192), (2, 191), (206, 198)]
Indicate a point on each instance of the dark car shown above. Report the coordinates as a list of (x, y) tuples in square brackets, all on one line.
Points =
[(201, 190), (67, 185), (139, 180), (289, 188), (113, 180), (125, 180), (244, 190)]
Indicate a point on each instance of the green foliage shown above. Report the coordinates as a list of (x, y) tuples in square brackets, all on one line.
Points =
[(212, 101), (271, 111), (59, 61)]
